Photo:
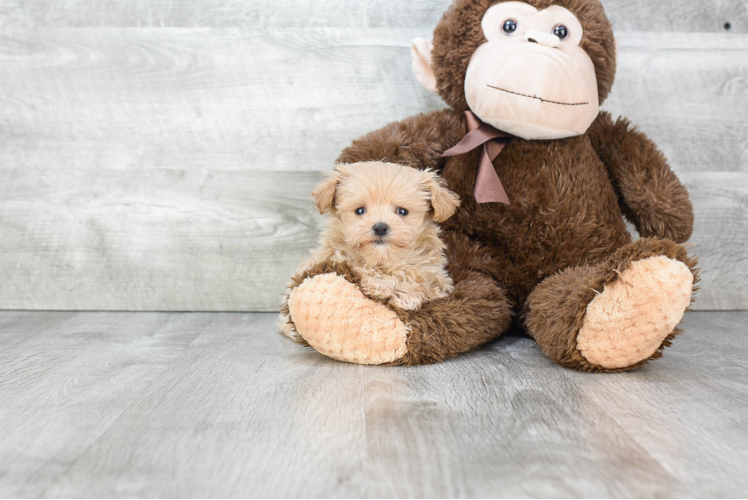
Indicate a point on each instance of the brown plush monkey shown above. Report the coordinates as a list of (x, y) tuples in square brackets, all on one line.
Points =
[(556, 259)]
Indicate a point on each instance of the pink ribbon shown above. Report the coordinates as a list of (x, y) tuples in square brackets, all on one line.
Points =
[(488, 188)]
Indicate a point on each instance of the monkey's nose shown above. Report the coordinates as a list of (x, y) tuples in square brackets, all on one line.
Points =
[(547, 39), (381, 229)]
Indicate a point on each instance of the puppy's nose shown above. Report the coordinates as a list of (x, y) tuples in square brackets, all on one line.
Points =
[(380, 228)]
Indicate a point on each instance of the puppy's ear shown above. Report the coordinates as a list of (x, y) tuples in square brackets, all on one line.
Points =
[(324, 194), (443, 201)]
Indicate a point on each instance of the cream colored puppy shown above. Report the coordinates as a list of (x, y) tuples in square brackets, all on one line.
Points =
[(383, 224)]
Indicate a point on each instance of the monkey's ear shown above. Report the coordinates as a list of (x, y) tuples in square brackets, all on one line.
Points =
[(420, 50), (324, 193), (443, 201)]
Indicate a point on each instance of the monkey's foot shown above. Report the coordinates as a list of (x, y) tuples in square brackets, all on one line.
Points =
[(629, 320), (334, 317)]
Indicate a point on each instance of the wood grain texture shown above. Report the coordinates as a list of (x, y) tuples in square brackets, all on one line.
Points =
[(720, 235), (228, 241), (137, 163), (153, 240), (66, 378), (626, 15), (688, 96), (188, 99), (239, 411), (293, 99)]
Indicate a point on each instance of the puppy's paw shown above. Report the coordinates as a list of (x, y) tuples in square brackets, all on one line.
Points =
[(377, 288), (406, 301)]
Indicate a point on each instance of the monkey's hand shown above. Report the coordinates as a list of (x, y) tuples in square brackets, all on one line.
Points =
[(651, 195)]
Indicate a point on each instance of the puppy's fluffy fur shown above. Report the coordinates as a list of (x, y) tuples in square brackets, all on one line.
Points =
[(405, 266)]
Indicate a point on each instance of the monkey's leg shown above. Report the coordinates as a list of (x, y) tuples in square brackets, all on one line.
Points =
[(331, 314), (617, 315), (475, 314)]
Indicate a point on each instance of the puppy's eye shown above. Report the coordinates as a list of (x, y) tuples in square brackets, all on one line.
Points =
[(402, 212), (360, 211), (510, 26), (560, 31)]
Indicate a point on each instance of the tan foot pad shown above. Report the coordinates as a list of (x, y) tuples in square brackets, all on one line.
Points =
[(628, 321), (339, 321)]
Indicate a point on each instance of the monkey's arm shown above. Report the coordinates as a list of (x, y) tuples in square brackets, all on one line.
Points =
[(649, 193), (325, 309), (418, 141)]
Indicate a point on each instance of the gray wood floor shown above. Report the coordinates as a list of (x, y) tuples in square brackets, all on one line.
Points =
[(219, 405)]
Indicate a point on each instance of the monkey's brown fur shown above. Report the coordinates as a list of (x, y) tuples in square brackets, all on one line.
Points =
[(541, 260)]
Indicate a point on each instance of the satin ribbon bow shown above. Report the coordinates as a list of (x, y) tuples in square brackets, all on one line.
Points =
[(488, 188)]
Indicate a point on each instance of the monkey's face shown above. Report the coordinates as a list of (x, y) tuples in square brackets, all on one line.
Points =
[(531, 78), (522, 68)]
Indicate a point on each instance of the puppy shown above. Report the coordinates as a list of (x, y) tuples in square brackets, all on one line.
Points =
[(383, 224)]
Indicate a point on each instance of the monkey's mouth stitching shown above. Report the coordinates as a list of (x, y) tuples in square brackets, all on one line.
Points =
[(540, 98)]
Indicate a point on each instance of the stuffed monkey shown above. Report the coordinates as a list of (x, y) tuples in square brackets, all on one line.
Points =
[(546, 180)]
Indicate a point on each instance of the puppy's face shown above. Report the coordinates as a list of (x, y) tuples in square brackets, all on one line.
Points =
[(383, 211), (384, 208)]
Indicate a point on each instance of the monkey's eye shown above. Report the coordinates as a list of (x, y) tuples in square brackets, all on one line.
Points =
[(402, 212), (510, 26), (560, 31), (360, 211)]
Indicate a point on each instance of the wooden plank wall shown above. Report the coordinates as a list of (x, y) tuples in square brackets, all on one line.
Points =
[(158, 155), (626, 15)]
